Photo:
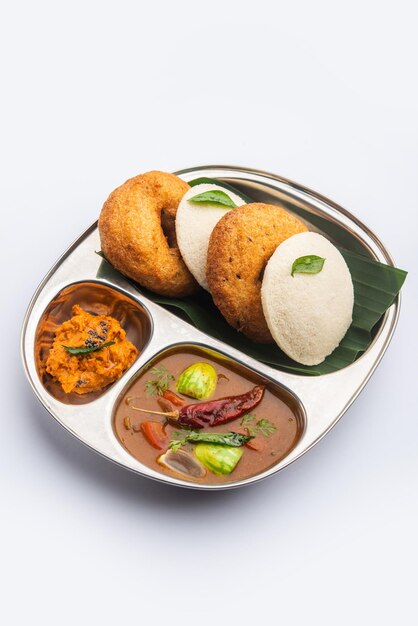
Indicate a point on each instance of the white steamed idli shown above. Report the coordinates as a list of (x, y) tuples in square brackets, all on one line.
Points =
[(307, 314), (194, 225)]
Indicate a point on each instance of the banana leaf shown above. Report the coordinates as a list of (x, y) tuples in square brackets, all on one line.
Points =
[(376, 287)]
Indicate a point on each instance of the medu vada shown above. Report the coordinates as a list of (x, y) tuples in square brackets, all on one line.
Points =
[(240, 246), (137, 233)]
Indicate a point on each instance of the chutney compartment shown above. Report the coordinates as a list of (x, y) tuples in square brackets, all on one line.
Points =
[(98, 299)]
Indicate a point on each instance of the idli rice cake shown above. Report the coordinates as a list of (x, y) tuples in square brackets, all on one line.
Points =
[(307, 314), (194, 225), (240, 245)]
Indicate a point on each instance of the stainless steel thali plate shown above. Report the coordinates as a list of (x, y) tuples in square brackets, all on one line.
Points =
[(81, 276)]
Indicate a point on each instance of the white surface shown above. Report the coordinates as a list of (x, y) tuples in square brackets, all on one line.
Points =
[(307, 314), (93, 93), (194, 225)]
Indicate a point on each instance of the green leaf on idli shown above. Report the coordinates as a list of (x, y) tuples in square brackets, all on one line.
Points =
[(203, 180), (214, 197), (308, 264)]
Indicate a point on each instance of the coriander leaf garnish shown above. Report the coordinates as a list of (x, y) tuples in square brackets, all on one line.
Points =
[(265, 427), (160, 382), (309, 264), (261, 427), (232, 439), (247, 419), (84, 350), (214, 197)]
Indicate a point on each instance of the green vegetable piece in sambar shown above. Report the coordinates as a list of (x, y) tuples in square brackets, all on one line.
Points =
[(218, 459), (198, 381)]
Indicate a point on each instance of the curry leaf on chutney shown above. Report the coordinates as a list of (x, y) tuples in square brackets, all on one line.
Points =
[(83, 350)]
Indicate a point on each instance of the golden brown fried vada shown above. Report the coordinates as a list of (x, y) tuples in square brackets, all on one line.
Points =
[(137, 233), (240, 246)]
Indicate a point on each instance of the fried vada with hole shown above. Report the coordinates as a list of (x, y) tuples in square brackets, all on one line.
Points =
[(137, 233), (240, 246)]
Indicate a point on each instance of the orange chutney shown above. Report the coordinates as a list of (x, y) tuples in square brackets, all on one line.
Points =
[(95, 369)]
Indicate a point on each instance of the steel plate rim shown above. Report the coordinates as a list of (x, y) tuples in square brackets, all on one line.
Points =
[(270, 471)]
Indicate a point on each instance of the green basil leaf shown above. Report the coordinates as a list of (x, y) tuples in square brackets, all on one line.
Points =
[(81, 350), (216, 197), (309, 264), (220, 183)]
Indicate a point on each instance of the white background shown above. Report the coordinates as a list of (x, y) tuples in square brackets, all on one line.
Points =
[(324, 93)]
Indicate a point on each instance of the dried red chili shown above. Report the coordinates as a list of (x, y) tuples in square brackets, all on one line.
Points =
[(214, 412), (219, 411)]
